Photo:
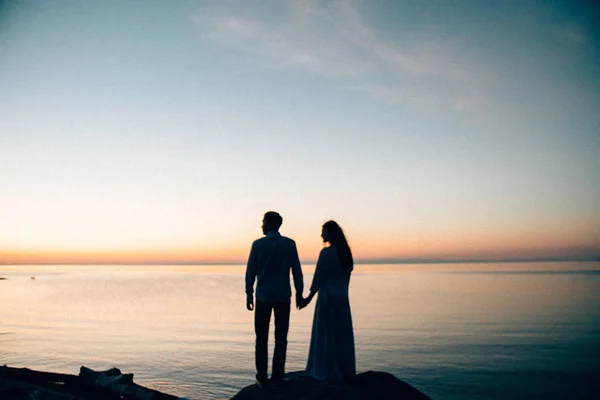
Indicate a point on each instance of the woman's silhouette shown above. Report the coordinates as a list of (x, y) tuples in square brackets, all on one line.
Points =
[(331, 355)]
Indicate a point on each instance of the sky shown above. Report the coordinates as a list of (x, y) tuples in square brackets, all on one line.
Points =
[(162, 131)]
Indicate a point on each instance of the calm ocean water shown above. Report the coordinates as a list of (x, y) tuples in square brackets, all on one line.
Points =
[(461, 331)]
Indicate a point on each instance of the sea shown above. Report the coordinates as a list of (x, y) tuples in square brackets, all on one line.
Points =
[(454, 331)]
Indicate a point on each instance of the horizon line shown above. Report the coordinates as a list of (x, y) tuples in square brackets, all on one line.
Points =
[(378, 261)]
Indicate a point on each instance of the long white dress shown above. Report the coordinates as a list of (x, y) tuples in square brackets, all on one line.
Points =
[(331, 355)]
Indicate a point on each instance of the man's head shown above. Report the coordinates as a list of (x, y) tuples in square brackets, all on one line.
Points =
[(271, 222)]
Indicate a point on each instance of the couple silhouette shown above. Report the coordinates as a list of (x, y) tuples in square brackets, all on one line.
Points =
[(331, 355)]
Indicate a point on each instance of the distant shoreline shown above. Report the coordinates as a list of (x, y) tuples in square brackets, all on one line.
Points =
[(358, 262)]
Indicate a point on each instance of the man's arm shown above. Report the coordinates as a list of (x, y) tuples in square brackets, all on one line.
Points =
[(297, 272), (251, 269)]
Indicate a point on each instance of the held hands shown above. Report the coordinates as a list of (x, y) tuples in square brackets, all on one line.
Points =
[(299, 301), (302, 302)]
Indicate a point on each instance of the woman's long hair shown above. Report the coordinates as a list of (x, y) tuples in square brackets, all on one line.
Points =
[(334, 234)]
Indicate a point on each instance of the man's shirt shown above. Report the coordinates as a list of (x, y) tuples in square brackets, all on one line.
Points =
[(270, 261)]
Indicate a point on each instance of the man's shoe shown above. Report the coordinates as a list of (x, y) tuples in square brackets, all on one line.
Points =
[(261, 382)]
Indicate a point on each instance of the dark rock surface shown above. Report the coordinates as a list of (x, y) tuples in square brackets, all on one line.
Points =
[(370, 385), (24, 383)]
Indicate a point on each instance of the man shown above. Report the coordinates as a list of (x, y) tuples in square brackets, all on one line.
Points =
[(271, 258)]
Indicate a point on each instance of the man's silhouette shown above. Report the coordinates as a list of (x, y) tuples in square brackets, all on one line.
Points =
[(271, 258)]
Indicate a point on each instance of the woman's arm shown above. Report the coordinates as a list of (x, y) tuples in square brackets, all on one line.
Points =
[(316, 282)]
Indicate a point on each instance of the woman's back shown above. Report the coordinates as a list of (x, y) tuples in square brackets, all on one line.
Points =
[(331, 279)]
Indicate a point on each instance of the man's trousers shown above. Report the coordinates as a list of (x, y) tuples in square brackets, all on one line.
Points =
[(262, 319)]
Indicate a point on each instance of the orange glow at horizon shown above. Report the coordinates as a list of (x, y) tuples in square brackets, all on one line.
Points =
[(450, 245)]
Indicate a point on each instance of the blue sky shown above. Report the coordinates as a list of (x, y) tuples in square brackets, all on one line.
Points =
[(426, 129)]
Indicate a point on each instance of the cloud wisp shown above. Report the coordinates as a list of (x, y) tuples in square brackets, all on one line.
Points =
[(333, 40)]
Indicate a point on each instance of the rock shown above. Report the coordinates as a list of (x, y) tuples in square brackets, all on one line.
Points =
[(18, 390), (23, 383), (370, 385), (122, 384)]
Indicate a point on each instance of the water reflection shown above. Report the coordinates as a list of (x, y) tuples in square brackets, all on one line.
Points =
[(186, 331)]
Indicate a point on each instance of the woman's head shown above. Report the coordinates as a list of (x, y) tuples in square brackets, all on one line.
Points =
[(332, 233)]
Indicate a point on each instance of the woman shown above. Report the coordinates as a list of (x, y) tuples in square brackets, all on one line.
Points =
[(331, 355)]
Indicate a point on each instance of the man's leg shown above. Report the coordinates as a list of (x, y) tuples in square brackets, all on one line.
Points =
[(262, 318), (282, 325)]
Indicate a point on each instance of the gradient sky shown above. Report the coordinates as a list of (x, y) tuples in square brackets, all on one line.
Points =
[(163, 130)]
